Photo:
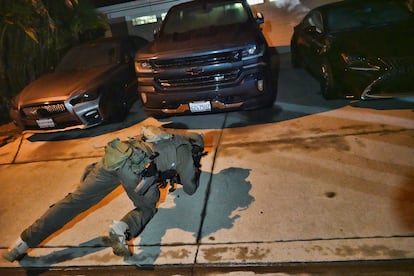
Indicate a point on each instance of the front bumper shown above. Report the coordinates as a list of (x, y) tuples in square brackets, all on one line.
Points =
[(57, 116), (246, 94), (394, 79)]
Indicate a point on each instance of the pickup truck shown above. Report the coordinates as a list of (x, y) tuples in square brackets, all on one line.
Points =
[(208, 56)]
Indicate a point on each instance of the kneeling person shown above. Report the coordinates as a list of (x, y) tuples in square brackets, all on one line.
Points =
[(140, 165)]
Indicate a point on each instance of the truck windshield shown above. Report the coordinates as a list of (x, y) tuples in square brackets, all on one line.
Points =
[(191, 18)]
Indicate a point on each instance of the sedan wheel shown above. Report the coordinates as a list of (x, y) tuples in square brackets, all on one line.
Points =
[(294, 59), (327, 82)]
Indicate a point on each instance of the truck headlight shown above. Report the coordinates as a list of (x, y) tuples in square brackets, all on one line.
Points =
[(252, 50)]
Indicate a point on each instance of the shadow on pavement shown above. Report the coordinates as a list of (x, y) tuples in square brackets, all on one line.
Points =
[(228, 192), (386, 104)]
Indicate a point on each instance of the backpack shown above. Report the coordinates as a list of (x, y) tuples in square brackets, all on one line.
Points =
[(117, 152)]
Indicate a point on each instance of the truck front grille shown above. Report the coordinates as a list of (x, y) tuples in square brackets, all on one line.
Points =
[(216, 58), (199, 80)]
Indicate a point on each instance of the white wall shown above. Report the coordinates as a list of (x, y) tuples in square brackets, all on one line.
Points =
[(282, 15)]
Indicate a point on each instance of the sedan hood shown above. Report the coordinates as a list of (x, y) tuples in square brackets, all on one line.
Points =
[(198, 41), (383, 41), (61, 85)]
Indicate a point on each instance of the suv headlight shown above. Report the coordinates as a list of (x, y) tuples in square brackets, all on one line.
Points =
[(359, 63), (85, 97), (143, 66)]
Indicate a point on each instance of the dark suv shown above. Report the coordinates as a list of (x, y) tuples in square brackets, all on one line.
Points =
[(208, 56)]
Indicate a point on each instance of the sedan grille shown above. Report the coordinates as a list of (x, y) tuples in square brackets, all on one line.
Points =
[(43, 111), (216, 58), (402, 65), (398, 79)]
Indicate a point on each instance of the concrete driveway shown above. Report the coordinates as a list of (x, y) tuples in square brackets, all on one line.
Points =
[(306, 181)]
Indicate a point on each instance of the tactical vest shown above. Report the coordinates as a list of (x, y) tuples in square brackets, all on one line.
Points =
[(141, 153)]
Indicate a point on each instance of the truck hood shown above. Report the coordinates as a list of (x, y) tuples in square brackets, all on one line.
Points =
[(61, 85), (182, 44)]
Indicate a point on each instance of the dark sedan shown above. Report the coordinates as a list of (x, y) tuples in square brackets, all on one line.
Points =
[(93, 83), (358, 49)]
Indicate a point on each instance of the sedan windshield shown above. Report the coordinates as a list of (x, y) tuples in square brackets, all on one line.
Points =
[(364, 15), (202, 16), (90, 55)]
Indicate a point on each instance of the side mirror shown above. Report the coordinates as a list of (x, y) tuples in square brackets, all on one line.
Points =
[(259, 18), (313, 30)]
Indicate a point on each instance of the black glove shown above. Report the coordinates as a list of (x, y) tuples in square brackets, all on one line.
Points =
[(150, 170), (197, 153), (167, 176)]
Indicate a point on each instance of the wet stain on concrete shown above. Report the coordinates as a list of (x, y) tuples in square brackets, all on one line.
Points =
[(326, 139), (337, 143), (242, 253), (214, 254), (359, 142), (404, 203), (366, 251), (330, 194), (175, 254)]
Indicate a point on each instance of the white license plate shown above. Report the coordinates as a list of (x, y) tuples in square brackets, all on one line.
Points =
[(45, 123), (200, 106)]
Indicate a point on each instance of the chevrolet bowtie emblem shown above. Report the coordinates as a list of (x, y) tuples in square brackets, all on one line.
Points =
[(195, 71)]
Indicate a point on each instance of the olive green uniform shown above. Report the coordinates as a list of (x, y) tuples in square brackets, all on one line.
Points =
[(98, 181)]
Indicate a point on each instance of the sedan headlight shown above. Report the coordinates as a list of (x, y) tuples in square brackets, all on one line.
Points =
[(85, 97), (359, 63), (143, 66)]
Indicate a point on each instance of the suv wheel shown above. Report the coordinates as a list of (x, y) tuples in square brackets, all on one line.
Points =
[(115, 105)]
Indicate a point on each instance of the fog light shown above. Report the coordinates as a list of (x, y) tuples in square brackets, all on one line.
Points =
[(144, 97), (260, 85), (92, 114), (92, 117)]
